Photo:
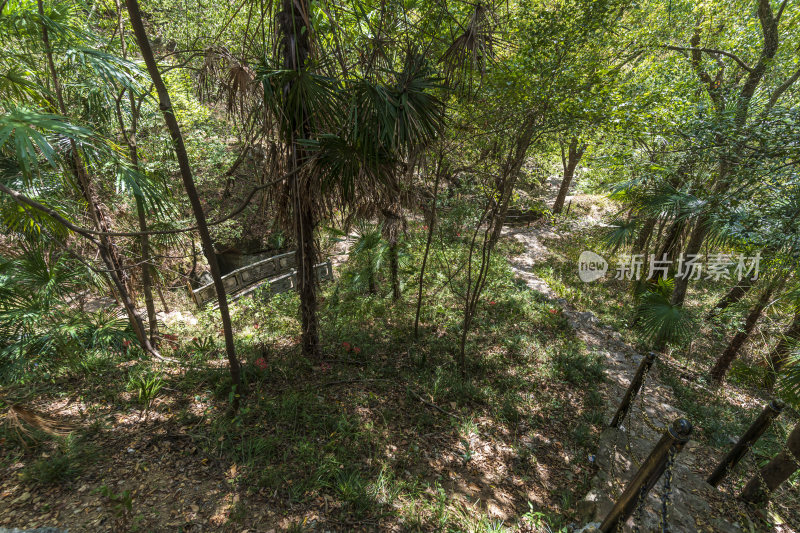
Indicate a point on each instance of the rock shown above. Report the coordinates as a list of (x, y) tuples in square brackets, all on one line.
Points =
[(589, 528), (586, 318), (594, 506)]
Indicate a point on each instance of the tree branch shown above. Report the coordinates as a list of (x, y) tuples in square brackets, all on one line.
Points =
[(780, 12), (711, 51), (782, 88)]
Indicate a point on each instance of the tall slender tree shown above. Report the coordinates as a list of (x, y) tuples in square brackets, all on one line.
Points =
[(165, 104)]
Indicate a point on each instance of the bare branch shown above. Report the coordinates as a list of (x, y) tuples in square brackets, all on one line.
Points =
[(782, 88), (780, 12), (711, 51)]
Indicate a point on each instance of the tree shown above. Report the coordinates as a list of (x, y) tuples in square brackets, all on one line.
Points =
[(732, 113), (165, 104), (130, 139), (776, 472), (569, 162), (779, 356), (724, 361), (40, 85), (346, 139)]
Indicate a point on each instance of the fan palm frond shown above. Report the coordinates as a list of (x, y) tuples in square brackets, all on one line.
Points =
[(789, 381), (659, 320), (621, 233)]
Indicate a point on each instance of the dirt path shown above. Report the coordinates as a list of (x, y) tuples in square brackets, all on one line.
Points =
[(694, 505)]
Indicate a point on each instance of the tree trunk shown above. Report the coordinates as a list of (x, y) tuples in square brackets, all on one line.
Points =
[(144, 238), (431, 225), (696, 240), (106, 247), (165, 105), (672, 242), (732, 351), (496, 213), (306, 278), (570, 162), (394, 268), (741, 108), (293, 20), (736, 293), (147, 280), (392, 224), (780, 354), (645, 234), (774, 473)]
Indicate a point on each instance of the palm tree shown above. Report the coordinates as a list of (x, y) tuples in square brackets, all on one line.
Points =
[(736, 102), (724, 361), (37, 134), (780, 355), (130, 139), (109, 251), (344, 140)]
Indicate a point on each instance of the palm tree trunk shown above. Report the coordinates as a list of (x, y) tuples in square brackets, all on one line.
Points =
[(165, 104), (306, 279), (645, 234), (293, 20), (109, 253), (147, 280), (161, 296), (570, 162), (732, 351), (736, 293), (394, 268), (391, 232), (672, 241), (780, 354), (774, 473)]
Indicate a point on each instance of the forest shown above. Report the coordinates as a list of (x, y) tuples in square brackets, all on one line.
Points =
[(478, 266)]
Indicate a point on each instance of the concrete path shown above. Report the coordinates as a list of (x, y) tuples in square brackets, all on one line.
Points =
[(622, 450)]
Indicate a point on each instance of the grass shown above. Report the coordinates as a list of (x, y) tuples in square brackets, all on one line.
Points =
[(355, 440), (61, 460)]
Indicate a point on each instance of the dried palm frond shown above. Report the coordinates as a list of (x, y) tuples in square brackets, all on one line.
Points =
[(207, 88), (23, 421), (239, 88), (472, 49), (222, 75)]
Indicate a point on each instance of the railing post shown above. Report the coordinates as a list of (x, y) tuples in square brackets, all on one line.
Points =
[(633, 389), (675, 436), (753, 433)]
